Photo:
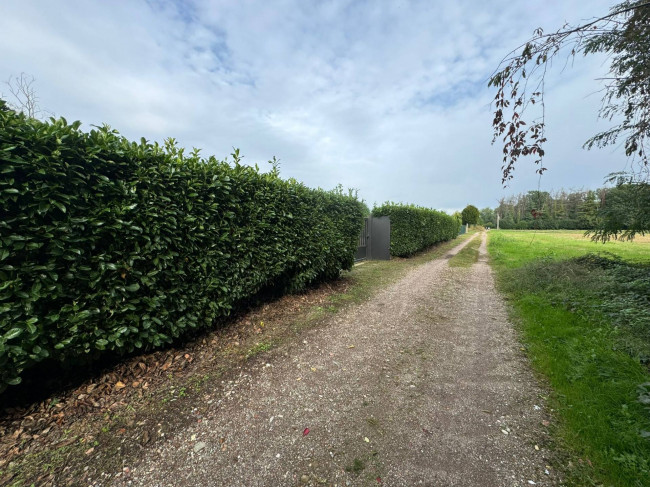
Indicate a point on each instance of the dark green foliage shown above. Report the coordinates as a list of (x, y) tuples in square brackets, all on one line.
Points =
[(617, 212), (470, 215), (625, 212), (488, 217), (111, 245), (541, 210), (541, 224), (603, 289), (413, 228)]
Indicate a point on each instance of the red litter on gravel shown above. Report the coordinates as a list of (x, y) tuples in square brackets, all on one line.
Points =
[(306, 432)]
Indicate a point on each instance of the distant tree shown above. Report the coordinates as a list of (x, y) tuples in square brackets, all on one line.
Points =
[(488, 217), (624, 212), (23, 96), (588, 210), (576, 210), (470, 214), (538, 205)]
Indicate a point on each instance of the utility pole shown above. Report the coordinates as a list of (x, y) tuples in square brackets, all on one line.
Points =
[(498, 218)]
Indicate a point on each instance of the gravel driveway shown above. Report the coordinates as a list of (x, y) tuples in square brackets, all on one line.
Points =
[(424, 384)]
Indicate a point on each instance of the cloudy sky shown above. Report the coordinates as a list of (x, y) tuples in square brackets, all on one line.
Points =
[(389, 97)]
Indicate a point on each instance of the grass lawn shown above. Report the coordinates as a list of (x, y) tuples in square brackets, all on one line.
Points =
[(584, 315), (512, 248)]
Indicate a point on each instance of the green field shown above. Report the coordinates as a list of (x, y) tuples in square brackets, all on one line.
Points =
[(512, 248), (583, 309)]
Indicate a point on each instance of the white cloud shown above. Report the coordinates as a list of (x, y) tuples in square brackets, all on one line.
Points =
[(386, 97)]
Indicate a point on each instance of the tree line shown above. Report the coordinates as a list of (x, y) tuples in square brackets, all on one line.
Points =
[(569, 210), (615, 212)]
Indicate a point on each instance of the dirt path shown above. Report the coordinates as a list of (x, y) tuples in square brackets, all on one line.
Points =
[(424, 384)]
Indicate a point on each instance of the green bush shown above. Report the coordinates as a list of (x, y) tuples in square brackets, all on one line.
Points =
[(470, 215), (413, 228), (111, 245)]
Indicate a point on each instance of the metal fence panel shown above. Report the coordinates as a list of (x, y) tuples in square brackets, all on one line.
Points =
[(374, 241), (380, 238), (362, 249)]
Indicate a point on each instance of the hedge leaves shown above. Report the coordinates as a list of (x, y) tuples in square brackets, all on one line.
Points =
[(413, 228), (112, 245)]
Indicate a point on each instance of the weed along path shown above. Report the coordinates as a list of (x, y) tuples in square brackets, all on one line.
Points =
[(424, 384)]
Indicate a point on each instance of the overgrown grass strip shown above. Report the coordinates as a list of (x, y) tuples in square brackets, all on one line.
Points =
[(585, 322), (468, 255)]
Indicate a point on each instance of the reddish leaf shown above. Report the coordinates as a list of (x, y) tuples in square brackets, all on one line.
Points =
[(306, 432)]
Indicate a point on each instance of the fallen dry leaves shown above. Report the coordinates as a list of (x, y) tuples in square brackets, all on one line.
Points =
[(42, 425)]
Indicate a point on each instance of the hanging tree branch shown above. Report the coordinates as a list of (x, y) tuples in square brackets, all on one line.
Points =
[(624, 34)]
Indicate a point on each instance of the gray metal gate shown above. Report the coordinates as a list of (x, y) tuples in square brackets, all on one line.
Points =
[(374, 241)]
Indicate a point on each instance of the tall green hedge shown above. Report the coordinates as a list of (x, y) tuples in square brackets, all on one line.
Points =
[(413, 228), (111, 245)]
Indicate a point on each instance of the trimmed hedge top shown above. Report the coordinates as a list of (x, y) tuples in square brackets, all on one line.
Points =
[(107, 244), (413, 228)]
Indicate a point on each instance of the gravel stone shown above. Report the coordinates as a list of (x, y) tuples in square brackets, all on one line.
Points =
[(199, 446)]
